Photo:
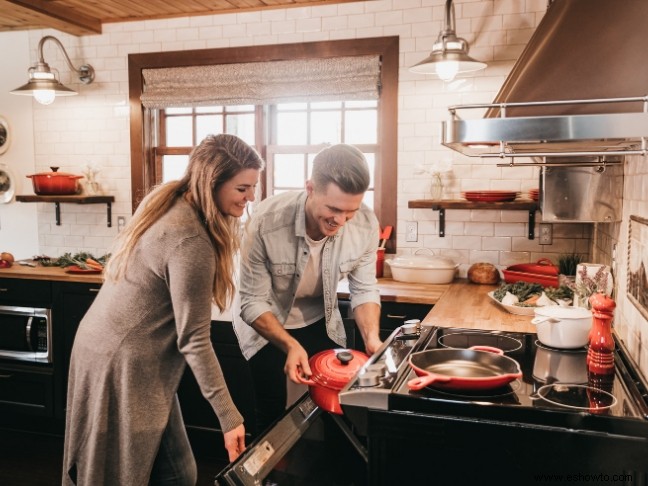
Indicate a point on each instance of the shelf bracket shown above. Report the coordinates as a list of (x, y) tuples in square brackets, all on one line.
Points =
[(109, 215), (441, 222), (57, 210), (532, 224)]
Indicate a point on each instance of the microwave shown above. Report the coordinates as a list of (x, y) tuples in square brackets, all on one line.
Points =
[(26, 334)]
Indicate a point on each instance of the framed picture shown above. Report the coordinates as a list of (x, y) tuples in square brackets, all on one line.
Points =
[(4, 135), (638, 263)]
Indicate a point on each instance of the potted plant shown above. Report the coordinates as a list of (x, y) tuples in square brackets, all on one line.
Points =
[(568, 263)]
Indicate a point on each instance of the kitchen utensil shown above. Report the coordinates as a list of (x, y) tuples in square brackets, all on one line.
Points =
[(600, 358), (543, 272), (380, 262), (560, 365), (332, 370), (55, 183), (562, 327), (475, 368), (418, 268), (385, 235)]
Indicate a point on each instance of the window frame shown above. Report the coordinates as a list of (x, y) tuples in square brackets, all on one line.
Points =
[(142, 121)]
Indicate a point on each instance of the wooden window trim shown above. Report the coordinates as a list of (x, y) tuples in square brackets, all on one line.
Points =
[(142, 153)]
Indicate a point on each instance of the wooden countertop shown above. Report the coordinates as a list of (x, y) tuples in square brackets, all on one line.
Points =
[(467, 305), (49, 273), (459, 304), (393, 291)]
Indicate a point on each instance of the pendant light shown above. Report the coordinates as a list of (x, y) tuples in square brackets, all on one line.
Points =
[(44, 84), (449, 55)]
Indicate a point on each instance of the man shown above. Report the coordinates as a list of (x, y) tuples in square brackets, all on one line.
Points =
[(298, 246)]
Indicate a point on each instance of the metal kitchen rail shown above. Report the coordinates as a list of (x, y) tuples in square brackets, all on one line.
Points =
[(584, 135), (442, 204), (57, 200)]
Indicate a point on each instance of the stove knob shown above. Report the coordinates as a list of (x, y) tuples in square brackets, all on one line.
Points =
[(369, 379), (411, 326), (379, 368)]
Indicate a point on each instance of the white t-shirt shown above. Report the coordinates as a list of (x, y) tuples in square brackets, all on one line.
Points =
[(309, 303)]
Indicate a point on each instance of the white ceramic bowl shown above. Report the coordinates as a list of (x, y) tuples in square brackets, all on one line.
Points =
[(563, 327), (423, 269)]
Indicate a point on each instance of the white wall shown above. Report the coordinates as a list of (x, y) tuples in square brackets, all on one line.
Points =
[(18, 222)]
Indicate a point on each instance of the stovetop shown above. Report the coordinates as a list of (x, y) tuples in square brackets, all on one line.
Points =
[(555, 389)]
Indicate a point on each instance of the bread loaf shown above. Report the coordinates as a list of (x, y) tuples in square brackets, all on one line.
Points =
[(483, 273)]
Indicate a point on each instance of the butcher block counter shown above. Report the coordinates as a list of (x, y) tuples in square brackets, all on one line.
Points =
[(49, 273), (459, 304)]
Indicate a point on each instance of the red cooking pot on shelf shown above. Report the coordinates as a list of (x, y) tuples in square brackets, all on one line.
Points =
[(55, 183), (332, 370)]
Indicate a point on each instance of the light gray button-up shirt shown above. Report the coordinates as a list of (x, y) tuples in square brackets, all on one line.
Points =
[(275, 254)]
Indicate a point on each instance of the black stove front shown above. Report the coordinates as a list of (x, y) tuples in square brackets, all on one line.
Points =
[(557, 423)]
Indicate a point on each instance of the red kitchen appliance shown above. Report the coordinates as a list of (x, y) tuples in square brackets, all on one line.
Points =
[(543, 272)]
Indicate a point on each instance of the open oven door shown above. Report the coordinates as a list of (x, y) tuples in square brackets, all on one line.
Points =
[(306, 446)]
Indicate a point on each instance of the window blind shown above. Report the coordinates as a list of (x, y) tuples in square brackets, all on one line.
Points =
[(268, 82)]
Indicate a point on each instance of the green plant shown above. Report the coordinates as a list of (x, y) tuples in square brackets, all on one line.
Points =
[(567, 263)]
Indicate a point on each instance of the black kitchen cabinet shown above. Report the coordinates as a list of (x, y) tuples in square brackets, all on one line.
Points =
[(25, 293), (71, 302)]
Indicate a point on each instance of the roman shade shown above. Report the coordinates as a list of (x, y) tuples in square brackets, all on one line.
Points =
[(268, 82)]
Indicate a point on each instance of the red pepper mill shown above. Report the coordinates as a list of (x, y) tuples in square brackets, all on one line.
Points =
[(600, 358)]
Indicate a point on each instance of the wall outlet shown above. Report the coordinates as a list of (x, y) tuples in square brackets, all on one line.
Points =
[(121, 222), (546, 233), (411, 231)]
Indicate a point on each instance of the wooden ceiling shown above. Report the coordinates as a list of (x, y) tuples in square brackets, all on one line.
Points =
[(86, 17)]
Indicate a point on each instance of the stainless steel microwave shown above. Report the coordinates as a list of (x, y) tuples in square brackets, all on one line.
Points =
[(26, 334)]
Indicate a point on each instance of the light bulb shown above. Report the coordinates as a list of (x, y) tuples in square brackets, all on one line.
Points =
[(44, 96), (447, 70)]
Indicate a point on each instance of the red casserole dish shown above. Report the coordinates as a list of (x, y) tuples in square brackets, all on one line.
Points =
[(544, 272), (55, 183)]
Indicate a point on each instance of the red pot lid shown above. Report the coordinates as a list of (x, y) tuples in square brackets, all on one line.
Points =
[(334, 368), (56, 173)]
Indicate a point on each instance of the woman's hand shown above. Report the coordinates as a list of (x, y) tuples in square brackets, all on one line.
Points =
[(235, 442)]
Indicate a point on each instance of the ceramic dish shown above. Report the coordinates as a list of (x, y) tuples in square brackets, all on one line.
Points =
[(513, 309)]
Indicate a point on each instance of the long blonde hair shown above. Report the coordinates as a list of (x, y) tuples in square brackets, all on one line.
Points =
[(215, 161)]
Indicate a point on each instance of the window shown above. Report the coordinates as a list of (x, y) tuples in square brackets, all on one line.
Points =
[(287, 135)]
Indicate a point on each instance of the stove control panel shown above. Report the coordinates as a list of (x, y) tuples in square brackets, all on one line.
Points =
[(373, 382)]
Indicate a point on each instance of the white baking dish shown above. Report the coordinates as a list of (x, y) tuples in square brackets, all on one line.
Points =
[(429, 269)]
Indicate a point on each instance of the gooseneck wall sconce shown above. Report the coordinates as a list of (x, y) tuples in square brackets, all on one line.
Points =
[(449, 55), (44, 84)]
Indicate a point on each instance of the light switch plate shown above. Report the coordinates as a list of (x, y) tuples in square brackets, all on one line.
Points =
[(411, 231)]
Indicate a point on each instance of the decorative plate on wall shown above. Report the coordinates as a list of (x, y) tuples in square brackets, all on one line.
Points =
[(4, 135), (7, 185)]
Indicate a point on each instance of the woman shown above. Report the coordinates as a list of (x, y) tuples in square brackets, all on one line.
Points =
[(151, 317)]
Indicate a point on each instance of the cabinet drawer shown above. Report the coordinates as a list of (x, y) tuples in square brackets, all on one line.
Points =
[(394, 314), (18, 292), (27, 391)]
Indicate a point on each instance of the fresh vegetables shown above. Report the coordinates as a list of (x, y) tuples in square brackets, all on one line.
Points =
[(83, 260), (528, 293), (6, 259)]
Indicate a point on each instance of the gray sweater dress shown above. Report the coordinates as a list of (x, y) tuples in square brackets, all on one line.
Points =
[(130, 352)]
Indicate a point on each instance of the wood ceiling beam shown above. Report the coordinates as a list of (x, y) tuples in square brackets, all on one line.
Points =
[(60, 18)]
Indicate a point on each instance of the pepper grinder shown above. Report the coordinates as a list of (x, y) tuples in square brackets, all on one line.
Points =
[(600, 358)]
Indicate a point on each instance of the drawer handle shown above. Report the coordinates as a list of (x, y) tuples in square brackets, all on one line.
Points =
[(391, 316), (6, 376), (4, 290), (93, 290)]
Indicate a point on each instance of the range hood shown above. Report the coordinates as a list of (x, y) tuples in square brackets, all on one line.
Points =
[(579, 89)]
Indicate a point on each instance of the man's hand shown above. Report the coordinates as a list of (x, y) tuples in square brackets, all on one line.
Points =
[(235, 442), (372, 345), (297, 363)]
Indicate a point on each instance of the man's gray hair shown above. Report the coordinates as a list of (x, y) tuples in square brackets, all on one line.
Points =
[(343, 165)]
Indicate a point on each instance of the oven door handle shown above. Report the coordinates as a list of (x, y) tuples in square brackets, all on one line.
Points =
[(28, 333)]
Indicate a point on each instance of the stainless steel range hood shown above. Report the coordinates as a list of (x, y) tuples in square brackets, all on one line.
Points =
[(579, 89)]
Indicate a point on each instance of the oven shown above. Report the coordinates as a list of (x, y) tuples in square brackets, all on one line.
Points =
[(556, 423), (26, 334)]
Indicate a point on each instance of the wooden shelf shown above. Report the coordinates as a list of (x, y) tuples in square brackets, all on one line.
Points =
[(442, 204), (57, 200)]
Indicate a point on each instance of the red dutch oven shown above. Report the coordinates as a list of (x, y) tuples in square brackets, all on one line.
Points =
[(332, 370), (55, 183)]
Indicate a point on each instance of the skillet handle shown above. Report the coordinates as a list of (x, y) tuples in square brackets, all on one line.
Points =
[(490, 349), (306, 382), (421, 382)]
